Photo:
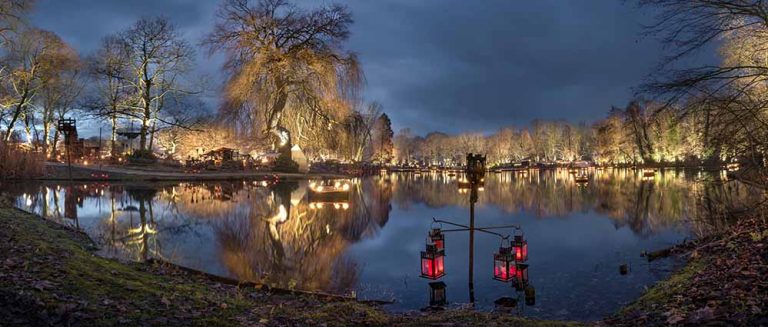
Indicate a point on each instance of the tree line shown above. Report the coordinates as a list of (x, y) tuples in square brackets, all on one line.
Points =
[(290, 80), (136, 76), (636, 134), (288, 75), (700, 114)]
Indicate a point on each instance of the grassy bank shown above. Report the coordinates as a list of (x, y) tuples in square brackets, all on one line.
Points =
[(724, 282), (49, 275)]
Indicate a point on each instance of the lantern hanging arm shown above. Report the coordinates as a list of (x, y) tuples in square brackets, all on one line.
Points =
[(516, 227), (502, 236), (465, 228)]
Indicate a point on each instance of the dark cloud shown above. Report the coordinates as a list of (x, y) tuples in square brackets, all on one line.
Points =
[(478, 65), (443, 64)]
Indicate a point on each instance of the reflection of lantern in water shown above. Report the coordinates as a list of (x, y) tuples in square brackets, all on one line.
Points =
[(438, 238), (504, 268), (520, 247), (521, 276), (432, 262), (437, 294)]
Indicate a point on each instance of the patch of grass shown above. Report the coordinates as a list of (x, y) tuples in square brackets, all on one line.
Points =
[(667, 289)]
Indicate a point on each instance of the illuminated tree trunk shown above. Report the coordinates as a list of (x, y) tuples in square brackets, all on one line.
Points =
[(54, 143), (152, 134), (46, 135), (113, 139), (146, 97), (276, 112), (16, 114)]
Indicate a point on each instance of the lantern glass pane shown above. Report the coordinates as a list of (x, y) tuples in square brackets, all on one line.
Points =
[(427, 267), (520, 250), (500, 269), (525, 251), (439, 265)]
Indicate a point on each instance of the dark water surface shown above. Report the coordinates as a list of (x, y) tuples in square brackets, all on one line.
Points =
[(369, 245)]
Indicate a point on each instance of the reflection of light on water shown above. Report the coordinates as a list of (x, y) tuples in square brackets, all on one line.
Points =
[(336, 205), (215, 235), (144, 229)]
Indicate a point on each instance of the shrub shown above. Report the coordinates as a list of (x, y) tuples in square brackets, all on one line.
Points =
[(285, 164), (142, 157), (18, 163)]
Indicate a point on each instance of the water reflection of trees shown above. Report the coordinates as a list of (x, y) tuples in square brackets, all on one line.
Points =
[(271, 233), (671, 199), (278, 239), (295, 246)]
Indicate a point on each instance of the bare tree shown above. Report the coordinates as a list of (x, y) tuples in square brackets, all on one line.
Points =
[(34, 58), (12, 16), (157, 56), (111, 91), (59, 93), (730, 96)]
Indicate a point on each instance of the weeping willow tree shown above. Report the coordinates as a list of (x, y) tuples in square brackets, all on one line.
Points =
[(288, 70)]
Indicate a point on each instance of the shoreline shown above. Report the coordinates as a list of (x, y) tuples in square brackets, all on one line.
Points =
[(725, 279), (60, 172), (82, 173)]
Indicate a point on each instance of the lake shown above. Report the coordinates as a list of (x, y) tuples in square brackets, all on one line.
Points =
[(369, 243)]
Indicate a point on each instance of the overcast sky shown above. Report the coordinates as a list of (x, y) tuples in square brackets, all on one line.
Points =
[(446, 65)]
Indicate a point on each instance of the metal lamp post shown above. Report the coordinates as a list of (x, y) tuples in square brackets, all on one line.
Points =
[(508, 262)]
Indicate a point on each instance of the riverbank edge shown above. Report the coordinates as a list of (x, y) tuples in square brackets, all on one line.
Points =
[(724, 282), (49, 275), (60, 172)]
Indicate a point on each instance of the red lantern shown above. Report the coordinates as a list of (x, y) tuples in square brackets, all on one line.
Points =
[(432, 262), (521, 276), (438, 238), (504, 268), (520, 247)]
